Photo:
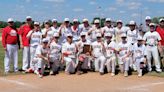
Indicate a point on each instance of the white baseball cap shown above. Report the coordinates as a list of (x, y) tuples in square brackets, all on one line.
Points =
[(98, 35), (108, 19), (69, 34), (56, 35), (147, 18), (44, 40), (139, 38), (83, 33), (97, 21), (28, 17), (85, 20), (54, 20), (162, 19), (132, 22), (108, 35), (10, 20), (66, 19), (75, 20), (36, 23), (123, 35), (119, 21), (152, 24)]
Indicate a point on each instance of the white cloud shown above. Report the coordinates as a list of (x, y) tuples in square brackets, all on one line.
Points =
[(133, 5), (78, 9), (92, 2), (111, 9), (56, 1), (122, 12), (120, 1), (135, 15), (156, 1)]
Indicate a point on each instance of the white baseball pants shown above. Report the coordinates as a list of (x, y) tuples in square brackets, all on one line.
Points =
[(100, 64), (70, 64), (26, 58), (55, 64), (110, 64), (11, 54), (32, 55), (124, 64)]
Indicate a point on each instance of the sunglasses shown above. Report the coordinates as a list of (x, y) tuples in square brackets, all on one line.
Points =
[(28, 19)]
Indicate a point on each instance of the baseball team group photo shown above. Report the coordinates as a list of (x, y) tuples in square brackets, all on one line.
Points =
[(78, 51)]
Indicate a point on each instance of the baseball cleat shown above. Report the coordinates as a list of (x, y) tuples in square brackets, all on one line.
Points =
[(125, 74), (112, 74)]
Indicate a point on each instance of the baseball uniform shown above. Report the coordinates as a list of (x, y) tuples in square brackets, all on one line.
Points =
[(106, 30), (50, 33)]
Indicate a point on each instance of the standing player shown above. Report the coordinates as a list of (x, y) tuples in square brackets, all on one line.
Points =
[(10, 41), (83, 63), (55, 54), (120, 29), (69, 51), (110, 47), (124, 51), (152, 40), (24, 29), (35, 37), (75, 30), (98, 49), (139, 55), (108, 28), (47, 32), (147, 22), (55, 27), (41, 57), (94, 30)]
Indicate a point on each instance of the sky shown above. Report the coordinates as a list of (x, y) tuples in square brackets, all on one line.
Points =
[(42, 10)]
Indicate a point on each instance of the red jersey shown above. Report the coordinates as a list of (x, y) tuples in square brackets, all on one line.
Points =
[(9, 36), (161, 33), (23, 31)]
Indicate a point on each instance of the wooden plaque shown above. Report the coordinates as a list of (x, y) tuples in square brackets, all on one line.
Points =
[(86, 48)]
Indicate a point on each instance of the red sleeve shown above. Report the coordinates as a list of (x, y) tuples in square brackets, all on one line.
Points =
[(4, 35), (20, 31)]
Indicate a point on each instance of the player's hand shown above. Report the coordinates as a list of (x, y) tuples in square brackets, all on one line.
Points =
[(46, 59), (22, 46), (87, 54), (5, 49)]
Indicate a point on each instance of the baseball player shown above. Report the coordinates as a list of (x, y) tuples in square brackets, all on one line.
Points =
[(55, 27), (84, 57), (24, 29), (139, 55), (98, 49), (94, 30), (41, 57), (132, 35), (47, 32), (35, 37), (75, 30), (110, 47), (85, 27), (108, 28), (69, 51), (55, 54), (152, 40), (124, 51), (147, 22), (10, 40), (120, 29), (64, 30)]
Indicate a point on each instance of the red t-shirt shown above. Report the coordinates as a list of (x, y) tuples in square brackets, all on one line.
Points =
[(161, 33), (9, 36), (23, 31)]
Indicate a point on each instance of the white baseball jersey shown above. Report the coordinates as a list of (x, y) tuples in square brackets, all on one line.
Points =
[(42, 51), (110, 48), (76, 33), (132, 36), (64, 32), (125, 48), (36, 38), (80, 44), (85, 29), (94, 31), (152, 38), (97, 49), (55, 50), (139, 51), (118, 33), (71, 48), (108, 30), (55, 30), (50, 33)]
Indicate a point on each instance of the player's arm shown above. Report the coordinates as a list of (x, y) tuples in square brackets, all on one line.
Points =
[(4, 36), (30, 34)]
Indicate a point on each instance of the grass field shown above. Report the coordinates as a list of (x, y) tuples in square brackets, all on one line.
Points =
[(2, 53)]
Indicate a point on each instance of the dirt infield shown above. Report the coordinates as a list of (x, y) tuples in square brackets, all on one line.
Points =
[(91, 82)]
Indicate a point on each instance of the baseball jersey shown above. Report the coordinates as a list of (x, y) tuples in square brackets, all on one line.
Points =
[(23, 31), (42, 51), (109, 47), (9, 36), (64, 32), (94, 31), (71, 48), (118, 33), (160, 30), (124, 48), (97, 49), (85, 29), (55, 50), (36, 38), (50, 33), (55, 30), (139, 51), (132, 36), (76, 33), (108, 30), (80, 44), (152, 38)]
